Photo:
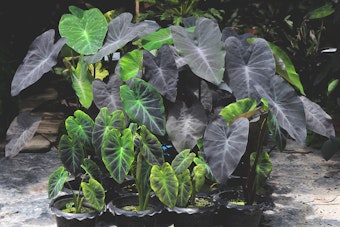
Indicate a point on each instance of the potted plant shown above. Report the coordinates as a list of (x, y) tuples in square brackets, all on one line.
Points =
[(174, 86), (182, 187), (84, 205)]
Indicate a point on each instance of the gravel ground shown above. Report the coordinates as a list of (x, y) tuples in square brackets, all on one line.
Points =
[(306, 189)]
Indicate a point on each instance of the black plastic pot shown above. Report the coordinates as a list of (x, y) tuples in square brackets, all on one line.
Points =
[(194, 216), (72, 220), (124, 218), (234, 215)]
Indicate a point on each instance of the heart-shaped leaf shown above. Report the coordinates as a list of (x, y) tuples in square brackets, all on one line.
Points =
[(185, 125), (245, 67), (202, 49), (71, 153), (20, 132), (164, 183), (286, 106), (86, 34), (120, 32), (103, 123), (182, 161), (131, 64), (108, 94), (150, 147), (144, 105), (92, 169), (225, 145), (80, 127), (185, 188), (237, 109), (143, 171), (118, 153), (161, 72), (157, 39), (40, 58), (56, 182), (94, 193), (317, 119)]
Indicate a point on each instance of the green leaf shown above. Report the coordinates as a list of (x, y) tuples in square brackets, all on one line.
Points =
[(198, 176), (143, 171), (94, 193), (185, 188), (321, 12), (103, 123), (238, 109), (56, 182), (71, 153), (331, 86), (84, 34), (182, 161), (285, 67), (82, 83), (164, 183), (130, 64), (150, 147), (263, 169), (208, 173), (92, 169), (157, 39), (118, 153), (80, 127), (144, 105)]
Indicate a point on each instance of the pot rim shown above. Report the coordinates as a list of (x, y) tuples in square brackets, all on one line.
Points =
[(117, 211), (62, 200)]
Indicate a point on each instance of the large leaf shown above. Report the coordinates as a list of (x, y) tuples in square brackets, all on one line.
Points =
[(237, 109), (84, 34), (40, 58), (157, 39), (144, 105), (321, 12), (80, 127), (161, 72), (56, 182), (131, 64), (185, 125), (285, 67), (286, 106), (150, 147), (164, 183), (182, 161), (108, 94), (120, 32), (92, 169), (103, 123), (317, 119), (248, 67), (20, 132), (202, 49), (82, 83), (94, 193), (224, 146), (71, 153), (185, 188), (118, 153)]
